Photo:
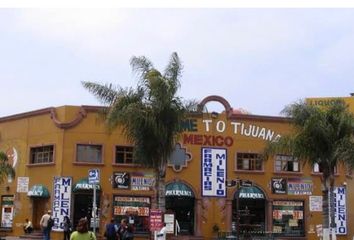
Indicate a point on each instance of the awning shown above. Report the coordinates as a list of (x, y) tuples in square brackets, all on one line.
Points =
[(83, 185), (38, 190), (250, 193), (178, 189)]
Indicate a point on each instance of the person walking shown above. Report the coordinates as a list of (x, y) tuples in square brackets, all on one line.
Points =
[(161, 235), (67, 228), (122, 228), (111, 231), (82, 232), (46, 228)]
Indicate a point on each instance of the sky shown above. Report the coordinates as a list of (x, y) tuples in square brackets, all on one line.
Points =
[(258, 59)]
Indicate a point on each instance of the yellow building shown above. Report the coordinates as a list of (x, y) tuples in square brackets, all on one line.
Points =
[(54, 149), (325, 101)]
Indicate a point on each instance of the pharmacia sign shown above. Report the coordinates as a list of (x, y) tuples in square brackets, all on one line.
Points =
[(214, 172), (61, 201)]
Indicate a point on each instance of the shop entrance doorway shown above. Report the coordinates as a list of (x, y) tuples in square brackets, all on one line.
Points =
[(252, 211), (83, 206), (180, 200), (39, 208)]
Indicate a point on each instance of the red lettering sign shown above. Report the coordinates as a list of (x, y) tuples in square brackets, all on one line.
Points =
[(156, 222), (207, 140)]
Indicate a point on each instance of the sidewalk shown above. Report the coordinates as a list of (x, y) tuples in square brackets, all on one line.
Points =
[(11, 238)]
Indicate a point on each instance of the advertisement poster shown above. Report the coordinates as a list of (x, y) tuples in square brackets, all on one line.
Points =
[(214, 172), (140, 181), (156, 222), (7, 210), (121, 180), (279, 185), (340, 210), (22, 184), (169, 219), (61, 200), (300, 186)]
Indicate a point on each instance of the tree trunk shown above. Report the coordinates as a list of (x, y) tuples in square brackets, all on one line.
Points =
[(332, 210), (161, 194), (325, 209)]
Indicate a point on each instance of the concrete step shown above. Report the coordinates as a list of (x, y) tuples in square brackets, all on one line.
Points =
[(36, 234)]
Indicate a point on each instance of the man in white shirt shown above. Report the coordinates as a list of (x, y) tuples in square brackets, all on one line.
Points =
[(44, 224), (161, 235)]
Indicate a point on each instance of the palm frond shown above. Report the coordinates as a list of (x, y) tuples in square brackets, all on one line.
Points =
[(141, 66), (6, 170), (173, 72), (104, 93)]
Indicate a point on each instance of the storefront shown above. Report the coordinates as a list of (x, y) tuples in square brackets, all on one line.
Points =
[(180, 200), (252, 210), (39, 195), (214, 149), (82, 194)]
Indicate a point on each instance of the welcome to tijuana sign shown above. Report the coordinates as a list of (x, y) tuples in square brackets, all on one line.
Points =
[(220, 127)]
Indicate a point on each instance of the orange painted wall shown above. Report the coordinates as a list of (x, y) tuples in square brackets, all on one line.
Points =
[(38, 128)]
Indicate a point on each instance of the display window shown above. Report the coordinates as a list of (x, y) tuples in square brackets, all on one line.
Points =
[(288, 218), (135, 209), (7, 209)]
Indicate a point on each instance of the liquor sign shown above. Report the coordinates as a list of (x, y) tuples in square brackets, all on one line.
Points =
[(155, 220), (300, 186), (340, 210), (121, 180), (214, 172), (61, 200)]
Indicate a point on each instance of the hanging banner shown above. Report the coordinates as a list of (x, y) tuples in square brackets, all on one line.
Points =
[(340, 210), (61, 201), (214, 172)]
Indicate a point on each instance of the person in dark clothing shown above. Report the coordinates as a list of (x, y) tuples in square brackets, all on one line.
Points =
[(111, 232), (67, 228), (129, 233), (122, 229)]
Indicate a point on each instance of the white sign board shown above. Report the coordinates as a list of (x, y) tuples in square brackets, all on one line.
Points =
[(22, 184), (61, 201), (169, 219), (94, 176), (315, 203), (214, 172)]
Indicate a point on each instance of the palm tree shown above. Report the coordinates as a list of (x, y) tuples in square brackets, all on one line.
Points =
[(6, 169), (322, 136), (150, 114)]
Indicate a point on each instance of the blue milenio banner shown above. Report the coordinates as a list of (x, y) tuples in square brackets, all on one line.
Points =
[(214, 172), (61, 201)]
